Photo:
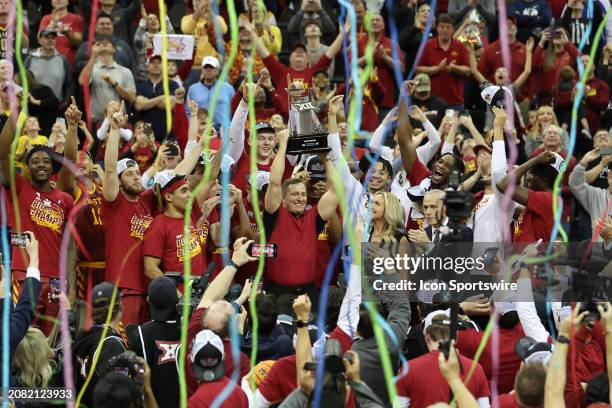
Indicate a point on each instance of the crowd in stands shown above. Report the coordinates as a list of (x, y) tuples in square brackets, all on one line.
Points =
[(124, 195)]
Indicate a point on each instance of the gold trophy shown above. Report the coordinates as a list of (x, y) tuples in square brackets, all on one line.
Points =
[(306, 135)]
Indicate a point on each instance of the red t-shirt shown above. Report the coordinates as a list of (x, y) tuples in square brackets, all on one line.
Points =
[(446, 85), (536, 220), (126, 223), (279, 72), (506, 401), (89, 226), (195, 326), (75, 24), (414, 384), (386, 76), (243, 170), (164, 240), (296, 237), (208, 392), (509, 362), (45, 214), (282, 377)]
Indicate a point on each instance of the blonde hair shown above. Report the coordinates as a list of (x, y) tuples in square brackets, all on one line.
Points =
[(542, 109), (32, 359), (394, 214)]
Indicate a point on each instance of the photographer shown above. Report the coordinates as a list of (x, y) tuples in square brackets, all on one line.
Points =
[(208, 362), (86, 341), (213, 313), (131, 389), (410, 386), (23, 313), (158, 340), (337, 386)]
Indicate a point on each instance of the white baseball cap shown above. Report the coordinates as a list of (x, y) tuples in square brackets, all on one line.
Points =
[(210, 60), (124, 164), (207, 353)]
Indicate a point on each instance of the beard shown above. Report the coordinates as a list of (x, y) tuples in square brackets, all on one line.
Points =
[(132, 190)]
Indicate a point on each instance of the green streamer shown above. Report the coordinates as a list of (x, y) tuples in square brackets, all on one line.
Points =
[(188, 208)]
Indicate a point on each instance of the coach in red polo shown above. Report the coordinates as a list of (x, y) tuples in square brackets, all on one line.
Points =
[(446, 62)]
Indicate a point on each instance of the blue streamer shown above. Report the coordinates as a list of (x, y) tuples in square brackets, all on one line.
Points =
[(6, 355)]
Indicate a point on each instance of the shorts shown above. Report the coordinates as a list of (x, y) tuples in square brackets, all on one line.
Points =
[(46, 311), (135, 308)]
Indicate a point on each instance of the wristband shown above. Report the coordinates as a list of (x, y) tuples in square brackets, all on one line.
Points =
[(300, 324), (115, 84), (233, 264), (562, 339)]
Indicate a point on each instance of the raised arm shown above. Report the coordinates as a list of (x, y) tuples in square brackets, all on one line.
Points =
[(260, 45), (336, 46), (274, 193), (474, 65), (427, 152), (528, 63), (466, 122), (215, 166), (65, 179), (218, 288), (303, 353), (6, 138), (236, 130), (111, 178), (329, 202), (499, 165), (186, 166), (557, 367), (577, 182), (520, 192), (404, 137)]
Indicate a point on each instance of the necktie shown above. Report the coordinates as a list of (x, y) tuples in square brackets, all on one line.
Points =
[(436, 237)]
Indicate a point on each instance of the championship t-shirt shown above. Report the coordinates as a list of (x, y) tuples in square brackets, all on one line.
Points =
[(412, 385), (45, 214), (536, 220), (243, 170), (164, 240), (126, 222), (89, 226)]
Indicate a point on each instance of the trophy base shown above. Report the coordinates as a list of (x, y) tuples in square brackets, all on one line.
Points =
[(308, 144)]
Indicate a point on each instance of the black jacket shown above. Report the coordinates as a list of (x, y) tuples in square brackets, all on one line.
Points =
[(22, 314)]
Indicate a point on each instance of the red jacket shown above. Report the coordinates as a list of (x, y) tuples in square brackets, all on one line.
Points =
[(548, 77), (596, 101)]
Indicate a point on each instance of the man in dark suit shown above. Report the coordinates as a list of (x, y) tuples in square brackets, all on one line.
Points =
[(449, 241)]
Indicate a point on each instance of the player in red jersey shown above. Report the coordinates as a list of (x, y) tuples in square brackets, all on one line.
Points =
[(86, 252), (163, 247), (42, 209), (128, 212)]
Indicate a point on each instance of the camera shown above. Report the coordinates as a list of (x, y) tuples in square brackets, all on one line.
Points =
[(333, 358), (591, 309), (198, 286), (126, 363)]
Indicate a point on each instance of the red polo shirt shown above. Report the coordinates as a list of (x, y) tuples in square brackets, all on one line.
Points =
[(491, 59), (444, 84)]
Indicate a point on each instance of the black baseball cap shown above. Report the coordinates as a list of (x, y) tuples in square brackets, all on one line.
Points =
[(102, 294), (315, 168), (207, 353), (48, 31), (264, 127), (162, 299), (298, 45), (531, 351)]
